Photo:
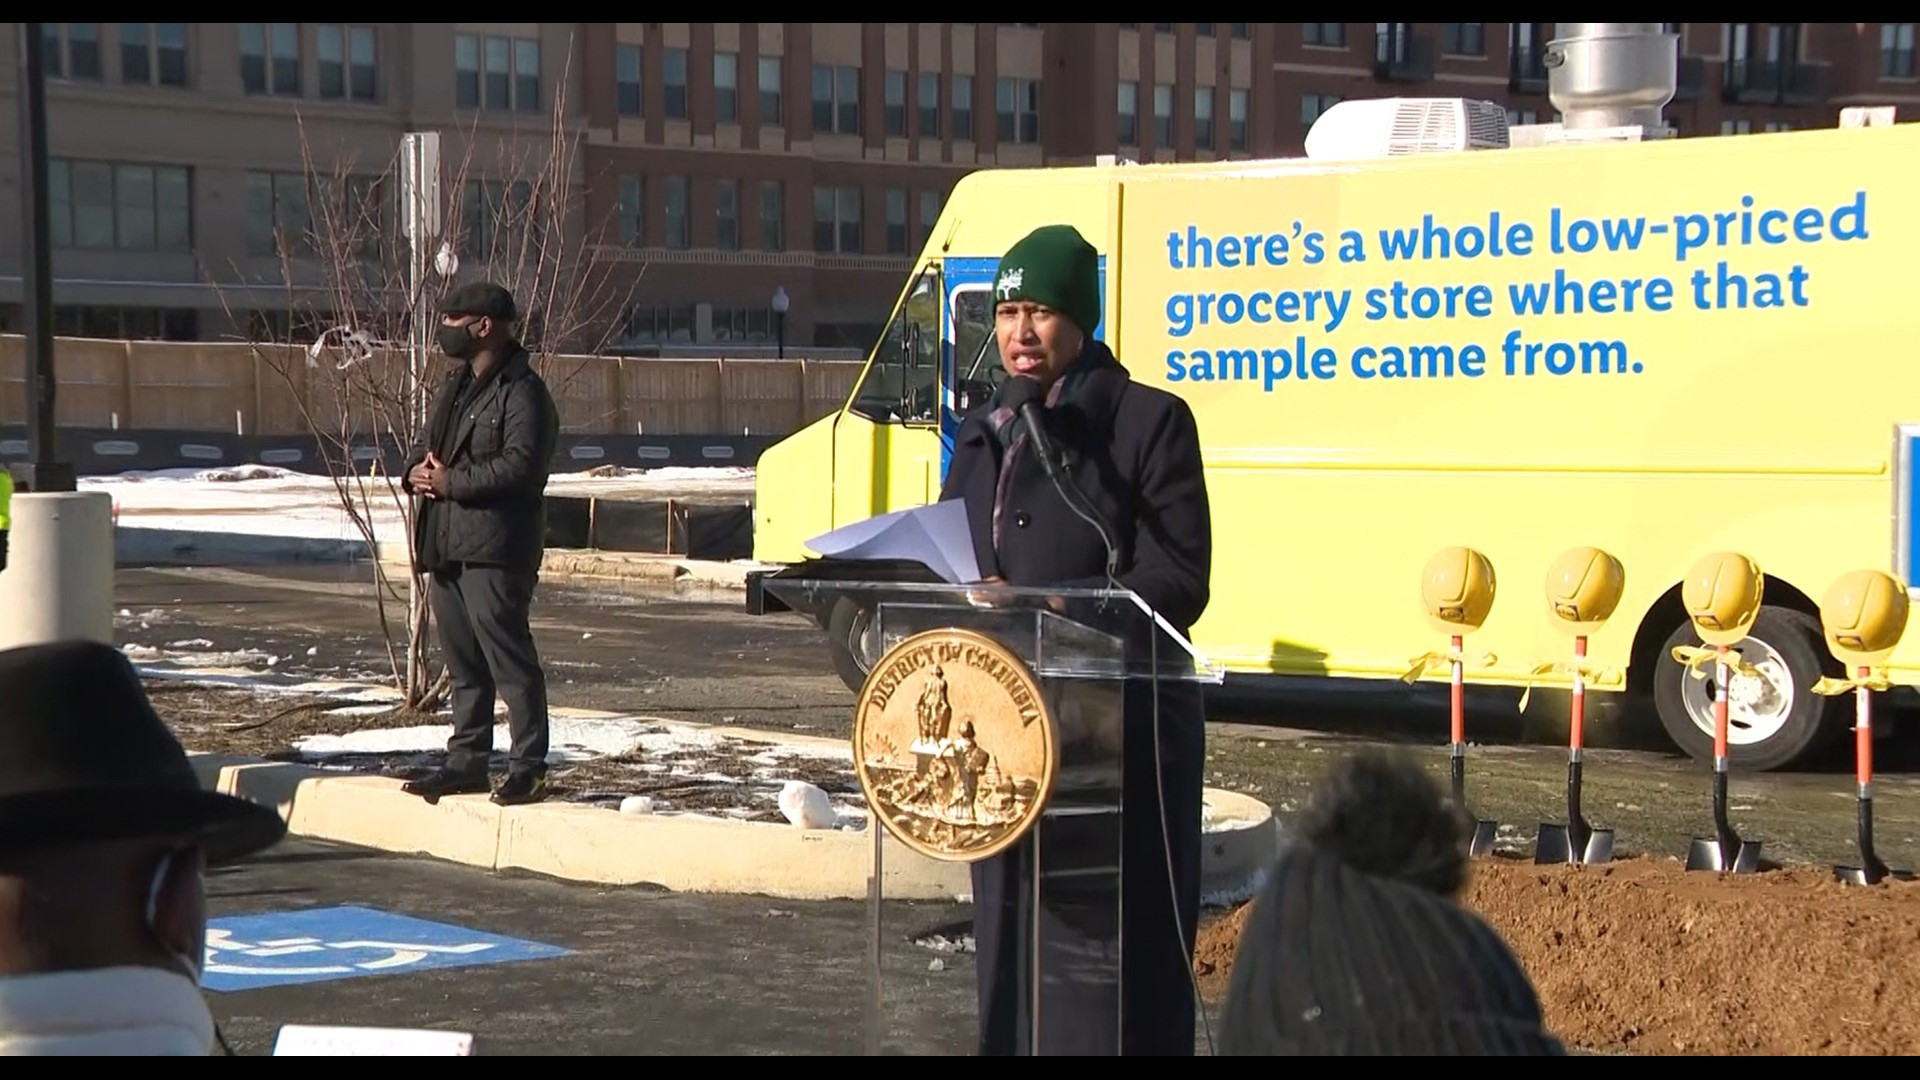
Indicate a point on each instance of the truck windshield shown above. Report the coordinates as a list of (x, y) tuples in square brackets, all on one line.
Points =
[(902, 385)]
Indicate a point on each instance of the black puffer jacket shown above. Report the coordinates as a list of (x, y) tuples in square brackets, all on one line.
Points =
[(498, 455)]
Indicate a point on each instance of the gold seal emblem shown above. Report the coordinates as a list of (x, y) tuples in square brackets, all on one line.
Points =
[(954, 746)]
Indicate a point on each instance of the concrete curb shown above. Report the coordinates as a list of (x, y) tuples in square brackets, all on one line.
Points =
[(684, 853)]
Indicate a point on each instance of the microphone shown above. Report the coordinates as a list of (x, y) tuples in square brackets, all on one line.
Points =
[(1024, 395)]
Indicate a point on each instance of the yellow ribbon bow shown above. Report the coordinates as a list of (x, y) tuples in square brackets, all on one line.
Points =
[(1832, 687), (1697, 657), (1430, 661), (1593, 676)]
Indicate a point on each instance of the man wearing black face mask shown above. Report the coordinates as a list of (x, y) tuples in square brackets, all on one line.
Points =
[(481, 465)]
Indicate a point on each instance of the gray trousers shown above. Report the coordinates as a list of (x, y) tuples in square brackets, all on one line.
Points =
[(484, 613)]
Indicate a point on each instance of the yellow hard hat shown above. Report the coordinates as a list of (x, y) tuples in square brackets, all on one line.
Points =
[(1584, 587), (1864, 614), (1722, 597), (1457, 589)]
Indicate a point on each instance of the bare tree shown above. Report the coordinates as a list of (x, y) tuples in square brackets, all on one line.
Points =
[(357, 305)]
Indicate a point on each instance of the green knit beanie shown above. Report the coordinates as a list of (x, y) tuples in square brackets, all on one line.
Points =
[(1053, 265)]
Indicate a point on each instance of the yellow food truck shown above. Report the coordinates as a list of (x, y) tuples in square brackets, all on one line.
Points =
[(1662, 348)]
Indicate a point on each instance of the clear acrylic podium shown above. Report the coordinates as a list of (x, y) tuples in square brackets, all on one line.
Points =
[(1092, 652)]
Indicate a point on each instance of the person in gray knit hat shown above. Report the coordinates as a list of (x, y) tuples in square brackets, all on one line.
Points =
[(1356, 946)]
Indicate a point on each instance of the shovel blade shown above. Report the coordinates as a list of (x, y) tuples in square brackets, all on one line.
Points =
[(1858, 875), (1483, 836), (1555, 846), (1599, 848), (1707, 853)]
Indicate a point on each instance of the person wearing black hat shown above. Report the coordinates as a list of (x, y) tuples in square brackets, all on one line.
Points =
[(1129, 455), (105, 832), (482, 462), (1357, 946)]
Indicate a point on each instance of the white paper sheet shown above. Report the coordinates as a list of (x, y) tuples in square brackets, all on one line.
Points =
[(937, 536), (314, 1040)]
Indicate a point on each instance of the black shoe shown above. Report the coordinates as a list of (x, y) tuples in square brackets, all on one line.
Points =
[(520, 788), (443, 781)]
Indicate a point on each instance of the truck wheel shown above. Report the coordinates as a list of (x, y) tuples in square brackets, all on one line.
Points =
[(848, 627), (1774, 722)]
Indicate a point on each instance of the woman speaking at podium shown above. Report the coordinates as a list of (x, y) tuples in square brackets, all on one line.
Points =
[(1130, 454)]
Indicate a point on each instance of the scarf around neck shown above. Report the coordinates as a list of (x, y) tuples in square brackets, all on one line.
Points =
[(1001, 419), (104, 1012)]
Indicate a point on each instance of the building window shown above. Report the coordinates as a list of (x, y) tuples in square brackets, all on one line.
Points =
[(496, 73), (771, 81), (626, 61), (1163, 27), (1522, 117), (153, 53), (270, 58), (1237, 119), (347, 61), (836, 99), (1896, 50), (679, 235), (773, 216), (726, 215), (1312, 106), (1463, 38), (1127, 129), (896, 221), (929, 102), (674, 63), (1018, 110), (1163, 114), (836, 220), (929, 214), (963, 107), (71, 50), (633, 211), (726, 87), (896, 105), (1736, 127), (1203, 117), (1240, 31), (491, 213), (1327, 35), (104, 206), (1203, 29), (279, 214)]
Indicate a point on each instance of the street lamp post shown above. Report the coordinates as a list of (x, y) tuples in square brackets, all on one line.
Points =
[(780, 304), (41, 472)]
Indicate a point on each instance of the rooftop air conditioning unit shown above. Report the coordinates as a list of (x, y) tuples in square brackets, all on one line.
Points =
[(1394, 127)]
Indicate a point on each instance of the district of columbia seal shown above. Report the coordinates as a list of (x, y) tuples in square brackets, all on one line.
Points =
[(954, 746)]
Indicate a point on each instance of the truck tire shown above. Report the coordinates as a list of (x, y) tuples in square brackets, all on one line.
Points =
[(1775, 723), (847, 624)]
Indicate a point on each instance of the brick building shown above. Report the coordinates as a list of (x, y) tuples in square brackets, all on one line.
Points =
[(719, 162)]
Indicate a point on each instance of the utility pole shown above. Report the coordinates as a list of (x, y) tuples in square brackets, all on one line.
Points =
[(41, 472), (420, 206)]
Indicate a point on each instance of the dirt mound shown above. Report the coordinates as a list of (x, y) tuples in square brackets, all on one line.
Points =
[(1642, 957)]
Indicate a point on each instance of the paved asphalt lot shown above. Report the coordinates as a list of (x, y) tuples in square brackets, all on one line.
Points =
[(637, 652), (649, 972)]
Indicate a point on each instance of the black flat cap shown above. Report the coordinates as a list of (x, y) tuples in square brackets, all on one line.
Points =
[(478, 298), (86, 759)]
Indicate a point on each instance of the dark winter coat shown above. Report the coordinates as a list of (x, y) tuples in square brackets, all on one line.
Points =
[(1134, 450), (498, 451)]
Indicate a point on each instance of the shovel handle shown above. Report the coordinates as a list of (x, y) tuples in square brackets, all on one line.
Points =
[(1459, 693), (1723, 680), (1863, 737), (1577, 733)]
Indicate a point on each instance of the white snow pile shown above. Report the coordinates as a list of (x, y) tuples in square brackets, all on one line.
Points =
[(265, 500)]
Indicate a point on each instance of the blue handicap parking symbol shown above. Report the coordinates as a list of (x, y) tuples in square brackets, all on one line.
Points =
[(325, 944)]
